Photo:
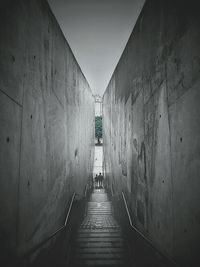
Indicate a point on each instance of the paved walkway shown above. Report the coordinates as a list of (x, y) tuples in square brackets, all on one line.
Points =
[(99, 240)]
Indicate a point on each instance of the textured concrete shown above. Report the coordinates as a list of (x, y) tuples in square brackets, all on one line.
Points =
[(151, 122), (99, 240), (10, 121), (46, 125)]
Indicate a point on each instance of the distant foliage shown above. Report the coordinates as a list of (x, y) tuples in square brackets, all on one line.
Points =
[(98, 127)]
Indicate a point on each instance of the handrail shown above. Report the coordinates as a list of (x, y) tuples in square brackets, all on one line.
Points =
[(86, 189), (146, 239), (129, 218), (36, 247), (69, 209), (111, 189)]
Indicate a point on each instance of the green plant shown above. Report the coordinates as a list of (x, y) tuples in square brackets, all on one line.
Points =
[(98, 127)]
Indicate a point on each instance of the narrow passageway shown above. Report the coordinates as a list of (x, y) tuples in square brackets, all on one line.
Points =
[(99, 240), (98, 160), (105, 174)]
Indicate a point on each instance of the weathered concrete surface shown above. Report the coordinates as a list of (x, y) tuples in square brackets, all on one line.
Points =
[(10, 121), (46, 125), (151, 122)]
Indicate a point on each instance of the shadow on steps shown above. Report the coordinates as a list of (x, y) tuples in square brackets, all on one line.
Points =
[(99, 240), (141, 253), (56, 252)]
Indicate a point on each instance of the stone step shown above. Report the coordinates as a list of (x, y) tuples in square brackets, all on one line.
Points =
[(100, 256), (100, 250), (99, 239), (98, 213), (100, 234), (104, 230), (93, 203), (101, 244), (109, 262)]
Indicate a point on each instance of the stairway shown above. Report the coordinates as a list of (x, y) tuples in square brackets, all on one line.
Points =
[(99, 241)]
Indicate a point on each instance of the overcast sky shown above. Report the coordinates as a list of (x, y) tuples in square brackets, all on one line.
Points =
[(97, 32)]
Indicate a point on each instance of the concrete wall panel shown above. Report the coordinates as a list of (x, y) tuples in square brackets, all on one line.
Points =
[(10, 121), (12, 49), (52, 113), (156, 135), (160, 196), (185, 146)]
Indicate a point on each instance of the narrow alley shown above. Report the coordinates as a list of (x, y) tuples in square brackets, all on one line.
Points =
[(99, 133)]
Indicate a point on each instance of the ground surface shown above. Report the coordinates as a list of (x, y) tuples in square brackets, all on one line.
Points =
[(99, 240)]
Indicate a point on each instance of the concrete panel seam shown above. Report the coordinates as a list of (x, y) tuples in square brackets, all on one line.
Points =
[(57, 98), (20, 149), (11, 98), (172, 184)]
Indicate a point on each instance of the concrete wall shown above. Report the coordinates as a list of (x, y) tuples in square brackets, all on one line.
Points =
[(151, 121), (46, 125)]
